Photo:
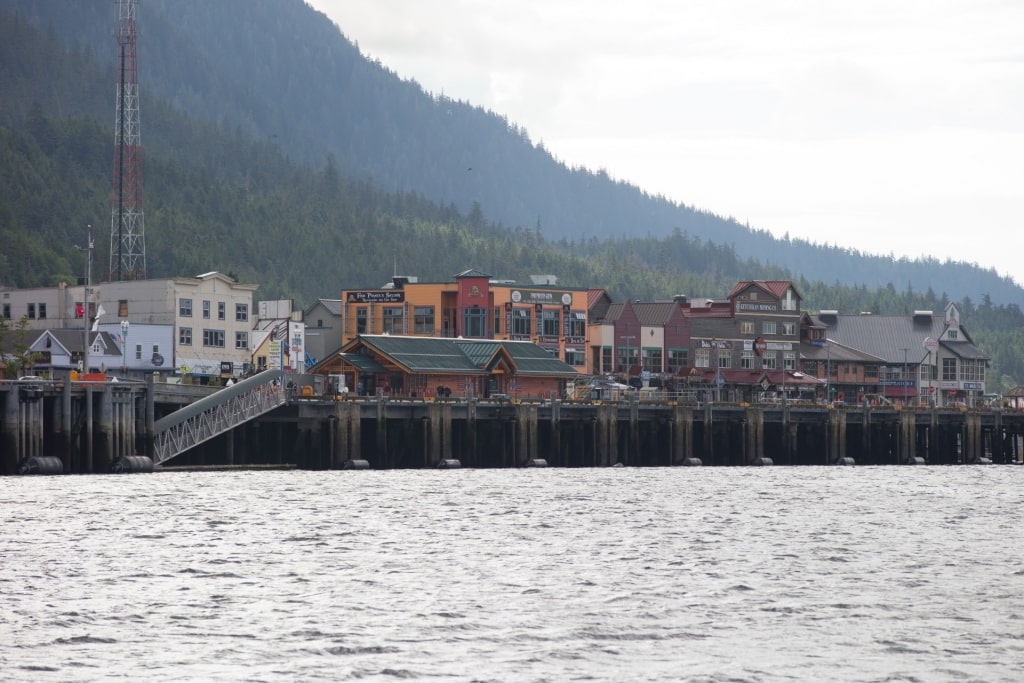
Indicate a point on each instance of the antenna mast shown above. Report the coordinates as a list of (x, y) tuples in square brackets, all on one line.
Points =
[(127, 238)]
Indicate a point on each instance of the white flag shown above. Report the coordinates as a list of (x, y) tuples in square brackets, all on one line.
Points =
[(96, 322)]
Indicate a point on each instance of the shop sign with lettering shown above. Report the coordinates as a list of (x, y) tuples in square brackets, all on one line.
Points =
[(376, 297)]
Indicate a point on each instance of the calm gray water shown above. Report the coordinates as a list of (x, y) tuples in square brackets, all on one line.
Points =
[(684, 574)]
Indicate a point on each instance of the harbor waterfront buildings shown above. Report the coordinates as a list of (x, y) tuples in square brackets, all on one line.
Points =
[(757, 344), (491, 374)]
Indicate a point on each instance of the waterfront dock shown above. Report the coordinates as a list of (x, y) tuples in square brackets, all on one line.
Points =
[(273, 420)]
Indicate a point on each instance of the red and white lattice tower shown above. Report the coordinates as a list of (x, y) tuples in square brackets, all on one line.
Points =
[(127, 237)]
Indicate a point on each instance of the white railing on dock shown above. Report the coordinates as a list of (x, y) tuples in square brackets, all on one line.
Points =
[(217, 413)]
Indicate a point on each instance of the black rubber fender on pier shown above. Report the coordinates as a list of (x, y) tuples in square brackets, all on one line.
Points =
[(356, 464), (44, 464), (132, 464), (448, 464)]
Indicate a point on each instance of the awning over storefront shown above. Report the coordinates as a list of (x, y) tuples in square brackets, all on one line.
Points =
[(900, 392)]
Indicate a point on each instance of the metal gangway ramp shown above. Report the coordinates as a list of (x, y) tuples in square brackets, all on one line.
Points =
[(218, 413)]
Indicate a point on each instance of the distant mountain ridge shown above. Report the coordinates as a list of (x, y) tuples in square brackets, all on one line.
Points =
[(279, 71)]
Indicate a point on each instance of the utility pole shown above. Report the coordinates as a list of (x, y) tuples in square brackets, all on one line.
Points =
[(85, 298)]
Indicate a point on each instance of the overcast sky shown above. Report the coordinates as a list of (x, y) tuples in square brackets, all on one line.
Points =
[(885, 126)]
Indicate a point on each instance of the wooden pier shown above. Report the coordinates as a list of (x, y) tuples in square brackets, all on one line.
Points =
[(90, 427)]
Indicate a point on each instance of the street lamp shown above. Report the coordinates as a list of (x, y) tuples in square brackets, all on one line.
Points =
[(124, 347), (828, 372), (718, 372), (906, 379)]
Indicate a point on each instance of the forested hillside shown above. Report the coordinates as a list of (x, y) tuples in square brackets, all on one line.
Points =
[(218, 198), (277, 70)]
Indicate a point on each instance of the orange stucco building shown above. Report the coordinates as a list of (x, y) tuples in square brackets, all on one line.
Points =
[(473, 306)]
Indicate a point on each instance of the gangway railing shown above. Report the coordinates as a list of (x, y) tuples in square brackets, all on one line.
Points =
[(218, 413)]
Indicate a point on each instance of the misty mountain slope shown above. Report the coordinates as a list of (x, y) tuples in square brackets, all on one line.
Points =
[(280, 72)]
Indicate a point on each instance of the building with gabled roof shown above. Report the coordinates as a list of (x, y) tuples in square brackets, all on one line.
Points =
[(57, 352), (420, 366), (323, 328), (923, 357)]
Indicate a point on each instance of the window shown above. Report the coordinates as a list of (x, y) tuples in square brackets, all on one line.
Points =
[(952, 334), (206, 310), (652, 360), (746, 327), (122, 308), (361, 320), (213, 338), (423, 319), (811, 368), (242, 313), (138, 352), (474, 322), (32, 311), (497, 320), (577, 324), (789, 301), (789, 360), (870, 371), (627, 358), (606, 359), (747, 359), (42, 311), (575, 357), (768, 327), (392, 320), (972, 370), (549, 323), (724, 359), (949, 369), (222, 311), (677, 360), (702, 358), (768, 361), (789, 329), (185, 336), (185, 308), (521, 321), (241, 340)]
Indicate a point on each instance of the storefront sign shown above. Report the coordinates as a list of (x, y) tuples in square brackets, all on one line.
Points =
[(529, 296), (756, 308), (376, 297)]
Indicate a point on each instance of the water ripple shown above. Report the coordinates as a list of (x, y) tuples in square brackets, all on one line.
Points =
[(688, 574)]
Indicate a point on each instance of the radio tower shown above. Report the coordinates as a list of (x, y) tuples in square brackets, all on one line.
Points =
[(127, 240)]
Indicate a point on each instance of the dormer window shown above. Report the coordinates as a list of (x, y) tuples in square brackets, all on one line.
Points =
[(789, 301)]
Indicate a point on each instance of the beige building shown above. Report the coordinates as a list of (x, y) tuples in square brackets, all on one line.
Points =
[(212, 315)]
